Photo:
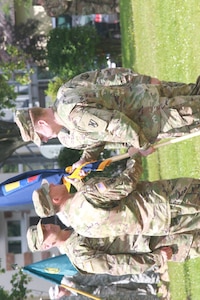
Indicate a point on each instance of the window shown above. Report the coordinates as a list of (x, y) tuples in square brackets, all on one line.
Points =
[(14, 236)]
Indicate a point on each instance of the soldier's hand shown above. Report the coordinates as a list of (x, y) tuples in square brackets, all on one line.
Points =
[(78, 163), (167, 252), (148, 151), (155, 81), (132, 151)]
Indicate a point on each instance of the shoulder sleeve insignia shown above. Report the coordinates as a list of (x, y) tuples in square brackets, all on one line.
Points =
[(92, 123)]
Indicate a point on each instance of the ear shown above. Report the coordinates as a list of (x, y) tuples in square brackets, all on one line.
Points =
[(55, 200), (42, 122), (46, 247)]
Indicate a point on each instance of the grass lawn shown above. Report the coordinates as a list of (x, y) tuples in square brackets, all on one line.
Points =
[(161, 38)]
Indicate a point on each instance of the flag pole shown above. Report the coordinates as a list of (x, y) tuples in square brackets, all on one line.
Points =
[(71, 289), (156, 146)]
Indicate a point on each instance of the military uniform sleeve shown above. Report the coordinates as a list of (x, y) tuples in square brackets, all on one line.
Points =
[(108, 77), (124, 130), (109, 125), (105, 192), (93, 152), (119, 76), (93, 261)]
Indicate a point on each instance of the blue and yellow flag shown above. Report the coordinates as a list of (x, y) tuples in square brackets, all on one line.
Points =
[(52, 269), (16, 192)]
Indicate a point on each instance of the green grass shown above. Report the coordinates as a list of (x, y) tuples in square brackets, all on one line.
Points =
[(161, 38), (175, 160)]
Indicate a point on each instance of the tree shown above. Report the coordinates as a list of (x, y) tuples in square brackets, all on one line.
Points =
[(26, 37), (67, 157), (19, 290), (19, 283), (72, 51), (19, 47), (7, 94)]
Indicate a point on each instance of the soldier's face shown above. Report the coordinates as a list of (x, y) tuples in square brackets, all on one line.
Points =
[(58, 193), (51, 234), (44, 130)]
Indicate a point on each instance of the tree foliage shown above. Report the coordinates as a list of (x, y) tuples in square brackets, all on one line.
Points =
[(7, 94), (33, 44), (72, 51), (19, 284), (67, 157)]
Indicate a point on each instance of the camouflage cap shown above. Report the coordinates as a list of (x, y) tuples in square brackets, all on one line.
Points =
[(35, 237), (42, 202), (25, 124)]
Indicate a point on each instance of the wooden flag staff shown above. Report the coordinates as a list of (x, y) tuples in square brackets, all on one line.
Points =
[(71, 289), (156, 146)]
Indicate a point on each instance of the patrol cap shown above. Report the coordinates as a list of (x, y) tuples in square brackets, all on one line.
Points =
[(42, 202), (25, 124), (35, 237)]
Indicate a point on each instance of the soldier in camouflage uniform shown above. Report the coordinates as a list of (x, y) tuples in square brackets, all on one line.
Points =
[(114, 255), (113, 108), (123, 205)]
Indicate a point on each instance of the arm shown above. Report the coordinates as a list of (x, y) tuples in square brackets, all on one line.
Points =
[(104, 192), (110, 125), (119, 76), (117, 264), (92, 152), (109, 77)]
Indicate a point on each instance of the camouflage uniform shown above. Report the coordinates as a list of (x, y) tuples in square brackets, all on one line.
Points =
[(128, 254), (116, 107), (112, 255), (122, 205)]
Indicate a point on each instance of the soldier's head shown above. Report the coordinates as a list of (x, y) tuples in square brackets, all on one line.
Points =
[(37, 124), (25, 122), (41, 237), (49, 199), (35, 237)]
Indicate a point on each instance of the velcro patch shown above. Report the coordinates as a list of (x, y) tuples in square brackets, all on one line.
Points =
[(101, 187)]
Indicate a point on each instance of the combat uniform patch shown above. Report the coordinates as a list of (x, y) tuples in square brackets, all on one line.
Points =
[(101, 187), (92, 123), (84, 76)]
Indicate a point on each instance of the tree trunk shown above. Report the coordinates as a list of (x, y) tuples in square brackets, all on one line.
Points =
[(87, 7), (55, 8)]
